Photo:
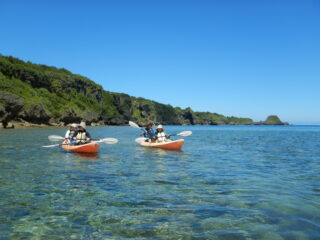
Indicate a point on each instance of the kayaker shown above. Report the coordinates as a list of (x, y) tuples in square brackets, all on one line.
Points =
[(160, 134), (148, 132), (82, 136), (71, 131)]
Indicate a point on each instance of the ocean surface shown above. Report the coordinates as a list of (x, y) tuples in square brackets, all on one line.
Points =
[(228, 182)]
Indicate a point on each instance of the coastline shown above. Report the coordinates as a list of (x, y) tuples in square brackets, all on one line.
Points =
[(35, 95), (15, 124)]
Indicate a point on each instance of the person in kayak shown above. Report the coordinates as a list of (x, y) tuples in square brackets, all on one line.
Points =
[(71, 131), (160, 134), (148, 132), (82, 136)]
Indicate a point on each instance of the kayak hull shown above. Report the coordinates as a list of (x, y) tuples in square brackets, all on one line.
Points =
[(84, 148), (168, 145)]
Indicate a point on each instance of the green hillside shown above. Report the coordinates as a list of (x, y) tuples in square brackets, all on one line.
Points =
[(39, 94)]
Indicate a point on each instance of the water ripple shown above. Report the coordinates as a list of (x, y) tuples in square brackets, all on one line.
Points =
[(229, 182)]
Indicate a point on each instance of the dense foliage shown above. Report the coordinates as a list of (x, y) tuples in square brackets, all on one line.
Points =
[(42, 94)]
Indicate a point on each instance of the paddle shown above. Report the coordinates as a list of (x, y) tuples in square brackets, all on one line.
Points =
[(49, 146), (134, 125), (54, 138), (57, 138), (183, 134), (140, 139), (106, 140)]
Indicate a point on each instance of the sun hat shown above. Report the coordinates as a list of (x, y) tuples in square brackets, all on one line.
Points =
[(74, 125), (82, 124), (159, 126)]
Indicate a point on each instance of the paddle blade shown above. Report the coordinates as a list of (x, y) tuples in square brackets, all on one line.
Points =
[(184, 133), (134, 125), (54, 138), (49, 146), (109, 140), (140, 139)]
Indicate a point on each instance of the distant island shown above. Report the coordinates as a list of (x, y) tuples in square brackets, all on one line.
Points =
[(34, 95)]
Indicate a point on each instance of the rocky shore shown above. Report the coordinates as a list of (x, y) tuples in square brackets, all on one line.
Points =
[(14, 114), (33, 95)]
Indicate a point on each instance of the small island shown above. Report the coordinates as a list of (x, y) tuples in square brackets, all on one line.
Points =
[(39, 95), (273, 120)]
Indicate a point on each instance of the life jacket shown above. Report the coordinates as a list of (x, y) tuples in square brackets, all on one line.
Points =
[(71, 133), (81, 137), (161, 136), (149, 134)]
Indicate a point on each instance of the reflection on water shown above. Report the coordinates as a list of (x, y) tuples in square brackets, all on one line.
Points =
[(228, 183), (158, 151), (88, 156)]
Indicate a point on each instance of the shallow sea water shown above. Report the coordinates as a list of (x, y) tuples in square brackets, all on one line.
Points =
[(229, 182)]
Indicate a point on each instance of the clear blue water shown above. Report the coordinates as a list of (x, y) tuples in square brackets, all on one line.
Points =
[(229, 182)]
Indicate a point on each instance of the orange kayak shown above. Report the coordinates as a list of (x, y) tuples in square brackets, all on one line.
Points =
[(168, 145), (84, 148)]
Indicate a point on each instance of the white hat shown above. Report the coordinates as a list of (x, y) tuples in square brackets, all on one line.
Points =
[(82, 124), (74, 125), (159, 126)]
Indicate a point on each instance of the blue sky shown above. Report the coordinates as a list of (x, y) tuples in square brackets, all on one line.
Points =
[(240, 58)]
